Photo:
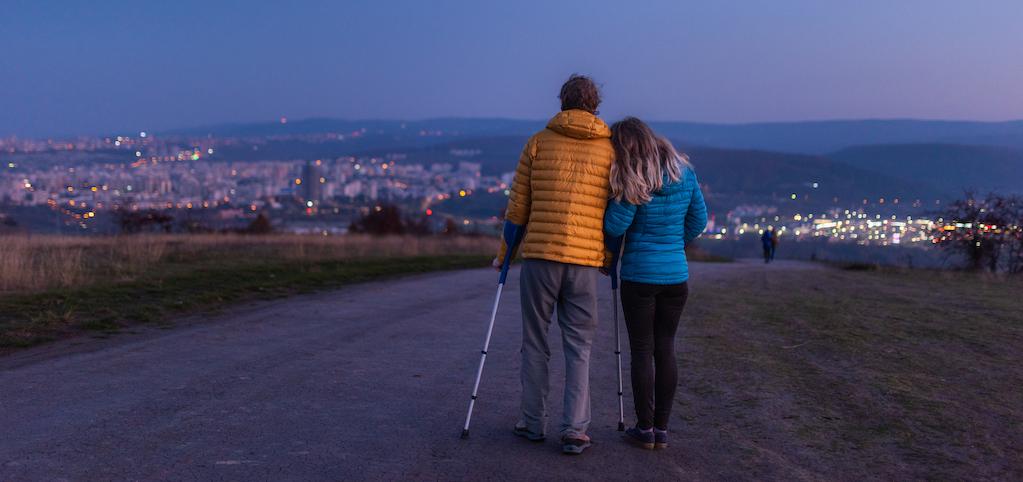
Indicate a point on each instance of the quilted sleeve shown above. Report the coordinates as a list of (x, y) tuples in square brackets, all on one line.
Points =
[(520, 197), (618, 217), (696, 215)]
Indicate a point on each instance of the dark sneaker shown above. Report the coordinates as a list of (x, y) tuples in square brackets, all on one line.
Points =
[(660, 439), (643, 438), (575, 444), (526, 434)]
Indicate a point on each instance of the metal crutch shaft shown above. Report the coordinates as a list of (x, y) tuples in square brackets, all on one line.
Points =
[(614, 245), (483, 360), (512, 236), (618, 355)]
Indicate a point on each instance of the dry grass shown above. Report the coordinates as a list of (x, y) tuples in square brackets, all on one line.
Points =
[(36, 263), (828, 374)]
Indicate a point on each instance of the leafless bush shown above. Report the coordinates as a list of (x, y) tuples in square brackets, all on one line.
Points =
[(987, 232)]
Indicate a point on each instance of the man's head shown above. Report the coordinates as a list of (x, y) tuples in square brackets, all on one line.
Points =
[(579, 92)]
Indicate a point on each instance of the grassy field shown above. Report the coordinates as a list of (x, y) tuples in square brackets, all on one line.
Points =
[(827, 373), (58, 286)]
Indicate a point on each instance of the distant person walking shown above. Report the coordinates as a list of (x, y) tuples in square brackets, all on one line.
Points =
[(658, 205), (559, 194), (774, 242), (768, 240)]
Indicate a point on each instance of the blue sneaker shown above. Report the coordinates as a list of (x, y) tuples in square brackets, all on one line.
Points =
[(660, 439), (643, 438)]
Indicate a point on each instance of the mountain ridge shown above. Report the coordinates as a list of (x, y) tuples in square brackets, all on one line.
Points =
[(806, 137), (950, 167)]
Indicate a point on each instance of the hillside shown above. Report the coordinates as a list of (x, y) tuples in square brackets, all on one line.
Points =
[(391, 128), (758, 176), (950, 167), (820, 137), (738, 175), (496, 154), (812, 137)]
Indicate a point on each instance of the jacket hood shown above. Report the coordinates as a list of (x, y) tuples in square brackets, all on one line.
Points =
[(579, 124)]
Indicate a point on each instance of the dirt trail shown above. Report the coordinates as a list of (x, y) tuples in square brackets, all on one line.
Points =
[(367, 382)]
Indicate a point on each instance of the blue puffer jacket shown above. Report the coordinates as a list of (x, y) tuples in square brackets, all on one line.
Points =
[(656, 233)]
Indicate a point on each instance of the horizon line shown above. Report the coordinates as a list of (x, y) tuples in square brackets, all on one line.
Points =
[(288, 120)]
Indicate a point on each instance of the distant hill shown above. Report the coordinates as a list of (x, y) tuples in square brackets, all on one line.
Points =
[(745, 162), (761, 176), (949, 167), (814, 137), (390, 128), (820, 137), (738, 175), (496, 154)]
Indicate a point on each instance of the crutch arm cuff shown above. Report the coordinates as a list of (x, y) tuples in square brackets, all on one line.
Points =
[(512, 236)]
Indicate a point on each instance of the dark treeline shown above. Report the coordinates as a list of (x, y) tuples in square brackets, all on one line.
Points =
[(388, 219), (157, 221)]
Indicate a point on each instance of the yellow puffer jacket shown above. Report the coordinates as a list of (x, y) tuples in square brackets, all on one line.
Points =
[(561, 189)]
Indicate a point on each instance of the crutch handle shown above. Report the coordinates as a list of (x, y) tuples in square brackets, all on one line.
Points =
[(614, 245), (512, 235)]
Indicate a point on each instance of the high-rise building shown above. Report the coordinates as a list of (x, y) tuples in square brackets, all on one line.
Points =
[(312, 188)]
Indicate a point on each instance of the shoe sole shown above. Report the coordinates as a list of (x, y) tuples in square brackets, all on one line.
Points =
[(528, 436), (637, 443), (661, 445), (574, 450)]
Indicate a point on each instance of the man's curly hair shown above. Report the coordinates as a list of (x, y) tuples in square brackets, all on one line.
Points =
[(580, 92)]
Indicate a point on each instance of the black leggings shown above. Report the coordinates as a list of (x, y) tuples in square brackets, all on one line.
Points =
[(652, 313)]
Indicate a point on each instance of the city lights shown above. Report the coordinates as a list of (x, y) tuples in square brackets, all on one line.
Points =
[(160, 177)]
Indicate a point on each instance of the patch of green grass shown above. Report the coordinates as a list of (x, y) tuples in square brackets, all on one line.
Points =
[(185, 287)]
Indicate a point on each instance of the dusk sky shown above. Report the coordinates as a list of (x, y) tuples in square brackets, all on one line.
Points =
[(90, 67)]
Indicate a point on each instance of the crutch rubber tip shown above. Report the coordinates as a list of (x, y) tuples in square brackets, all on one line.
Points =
[(621, 426), (465, 433)]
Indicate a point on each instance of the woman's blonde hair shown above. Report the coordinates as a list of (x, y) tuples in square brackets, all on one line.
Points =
[(642, 160)]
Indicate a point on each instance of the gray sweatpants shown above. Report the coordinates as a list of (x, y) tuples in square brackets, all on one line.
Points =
[(573, 288)]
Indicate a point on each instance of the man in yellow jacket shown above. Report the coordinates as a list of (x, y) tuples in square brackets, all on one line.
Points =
[(559, 195)]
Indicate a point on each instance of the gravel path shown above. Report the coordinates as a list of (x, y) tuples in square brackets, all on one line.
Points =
[(369, 382)]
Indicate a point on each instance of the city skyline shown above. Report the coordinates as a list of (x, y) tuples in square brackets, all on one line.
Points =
[(74, 68)]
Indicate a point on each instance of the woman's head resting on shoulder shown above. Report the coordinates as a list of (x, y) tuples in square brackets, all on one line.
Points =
[(642, 161)]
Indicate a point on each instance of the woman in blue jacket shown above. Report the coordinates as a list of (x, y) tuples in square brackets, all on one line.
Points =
[(658, 206)]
